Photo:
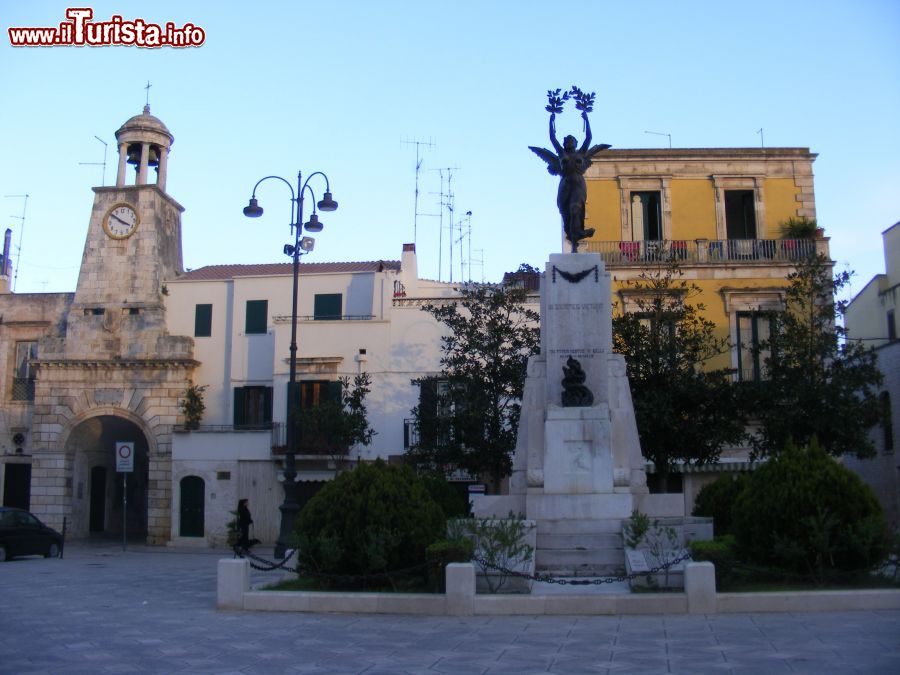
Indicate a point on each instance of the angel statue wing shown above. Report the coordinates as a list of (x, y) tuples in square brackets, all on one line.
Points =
[(548, 156), (597, 148)]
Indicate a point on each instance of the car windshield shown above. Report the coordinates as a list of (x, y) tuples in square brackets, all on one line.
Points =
[(7, 519)]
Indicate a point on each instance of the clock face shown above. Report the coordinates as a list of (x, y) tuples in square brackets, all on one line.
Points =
[(120, 221)]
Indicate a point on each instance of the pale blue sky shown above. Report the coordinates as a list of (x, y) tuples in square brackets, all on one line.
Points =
[(337, 86)]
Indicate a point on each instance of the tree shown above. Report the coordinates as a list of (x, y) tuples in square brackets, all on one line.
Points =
[(337, 424), (820, 384), (685, 411), (471, 421)]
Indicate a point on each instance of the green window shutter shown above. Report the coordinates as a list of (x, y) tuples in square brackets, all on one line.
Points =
[(327, 307), (203, 321), (334, 391), (257, 317), (428, 404), (267, 405), (240, 412)]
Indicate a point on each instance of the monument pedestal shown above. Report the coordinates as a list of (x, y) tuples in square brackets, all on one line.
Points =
[(578, 470)]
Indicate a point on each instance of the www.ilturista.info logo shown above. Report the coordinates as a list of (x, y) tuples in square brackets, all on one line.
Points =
[(81, 31)]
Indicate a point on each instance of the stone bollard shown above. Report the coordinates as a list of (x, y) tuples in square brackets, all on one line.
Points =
[(460, 589), (233, 581), (700, 587)]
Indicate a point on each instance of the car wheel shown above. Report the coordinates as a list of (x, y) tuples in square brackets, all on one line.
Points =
[(52, 550), (3, 554)]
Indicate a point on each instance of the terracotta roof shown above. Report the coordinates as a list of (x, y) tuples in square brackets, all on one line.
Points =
[(220, 272)]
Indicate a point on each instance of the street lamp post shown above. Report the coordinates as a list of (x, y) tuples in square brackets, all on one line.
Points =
[(301, 245)]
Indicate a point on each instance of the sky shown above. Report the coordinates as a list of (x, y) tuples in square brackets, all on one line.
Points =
[(348, 87)]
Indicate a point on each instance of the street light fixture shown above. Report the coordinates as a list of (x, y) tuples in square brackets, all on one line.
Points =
[(289, 508)]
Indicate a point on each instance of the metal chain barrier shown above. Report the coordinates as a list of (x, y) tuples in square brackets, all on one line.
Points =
[(262, 564), (547, 579)]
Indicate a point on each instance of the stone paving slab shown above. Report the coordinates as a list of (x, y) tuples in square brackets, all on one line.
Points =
[(152, 610)]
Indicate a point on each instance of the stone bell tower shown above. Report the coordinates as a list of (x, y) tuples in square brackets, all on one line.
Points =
[(114, 374), (133, 245)]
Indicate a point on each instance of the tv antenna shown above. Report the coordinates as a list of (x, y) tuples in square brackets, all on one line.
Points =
[(103, 163), (419, 144), (465, 233), (21, 234), (660, 133), (762, 138), (446, 202)]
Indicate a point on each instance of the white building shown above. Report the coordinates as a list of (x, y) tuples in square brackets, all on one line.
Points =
[(353, 317), (874, 317)]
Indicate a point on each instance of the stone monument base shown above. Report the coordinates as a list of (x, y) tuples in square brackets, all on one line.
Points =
[(578, 471)]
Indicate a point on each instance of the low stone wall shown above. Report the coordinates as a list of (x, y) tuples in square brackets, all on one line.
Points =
[(700, 597)]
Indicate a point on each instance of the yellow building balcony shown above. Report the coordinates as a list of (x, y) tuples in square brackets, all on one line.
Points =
[(705, 251)]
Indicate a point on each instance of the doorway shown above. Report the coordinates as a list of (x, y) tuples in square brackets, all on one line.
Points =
[(193, 497), (97, 516), (17, 486)]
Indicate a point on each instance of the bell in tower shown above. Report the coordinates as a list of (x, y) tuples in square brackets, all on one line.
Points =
[(144, 142)]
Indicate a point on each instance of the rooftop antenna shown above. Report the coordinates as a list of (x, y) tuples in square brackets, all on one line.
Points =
[(762, 139), (479, 261), (463, 234), (103, 163), (21, 234), (446, 202), (660, 133), (419, 144)]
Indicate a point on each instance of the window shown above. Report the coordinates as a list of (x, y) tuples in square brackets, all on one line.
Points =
[(740, 214), (257, 317), (203, 320), (646, 216), (327, 307), (23, 376), (891, 325), (753, 332), (887, 422), (312, 393), (252, 407)]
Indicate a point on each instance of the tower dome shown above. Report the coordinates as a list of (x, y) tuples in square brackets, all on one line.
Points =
[(144, 141)]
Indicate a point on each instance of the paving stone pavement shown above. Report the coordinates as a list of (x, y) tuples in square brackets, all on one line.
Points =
[(152, 610)]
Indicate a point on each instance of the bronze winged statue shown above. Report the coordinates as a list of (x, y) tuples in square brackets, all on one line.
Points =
[(569, 163)]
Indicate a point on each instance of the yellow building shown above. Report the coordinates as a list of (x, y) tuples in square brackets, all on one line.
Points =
[(718, 212)]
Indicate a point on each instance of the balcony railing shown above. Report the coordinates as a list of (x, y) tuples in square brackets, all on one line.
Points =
[(702, 251)]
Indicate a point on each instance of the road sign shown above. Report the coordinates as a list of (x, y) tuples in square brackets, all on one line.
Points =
[(124, 457)]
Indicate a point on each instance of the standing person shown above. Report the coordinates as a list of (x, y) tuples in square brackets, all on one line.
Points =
[(244, 522)]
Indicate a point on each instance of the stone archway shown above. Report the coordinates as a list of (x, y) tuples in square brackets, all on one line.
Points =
[(97, 505)]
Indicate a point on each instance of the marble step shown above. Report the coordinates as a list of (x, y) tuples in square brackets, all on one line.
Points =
[(579, 526), (579, 542), (564, 558)]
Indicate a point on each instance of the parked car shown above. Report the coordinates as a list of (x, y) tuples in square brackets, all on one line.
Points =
[(21, 533)]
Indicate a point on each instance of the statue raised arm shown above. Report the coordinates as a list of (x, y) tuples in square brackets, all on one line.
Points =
[(569, 162)]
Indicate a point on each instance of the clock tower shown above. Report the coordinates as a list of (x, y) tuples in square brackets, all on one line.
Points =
[(133, 245), (111, 374)]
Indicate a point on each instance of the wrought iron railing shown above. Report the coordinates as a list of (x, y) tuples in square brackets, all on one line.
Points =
[(701, 251)]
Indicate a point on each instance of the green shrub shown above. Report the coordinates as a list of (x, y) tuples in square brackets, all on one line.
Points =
[(373, 519), (500, 544), (805, 513), (716, 500), (442, 553), (720, 552), (452, 501)]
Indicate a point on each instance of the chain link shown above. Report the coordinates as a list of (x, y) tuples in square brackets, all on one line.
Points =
[(547, 579)]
